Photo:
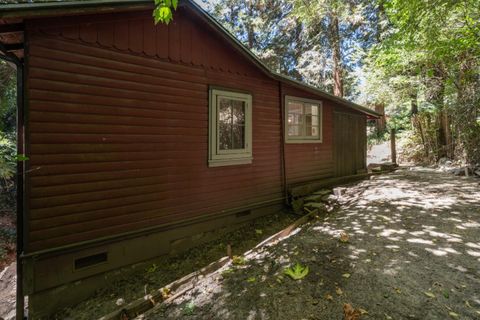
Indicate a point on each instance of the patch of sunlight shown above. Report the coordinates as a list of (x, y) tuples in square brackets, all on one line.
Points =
[(453, 219), (471, 224), (473, 253), (417, 233), (437, 252), (473, 245), (421, 241), (389, 232), (413, 254), (459, 268), (392, 246), (394, 238), (450, 250)]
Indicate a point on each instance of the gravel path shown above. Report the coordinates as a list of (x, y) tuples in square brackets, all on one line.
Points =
[(413, 253)]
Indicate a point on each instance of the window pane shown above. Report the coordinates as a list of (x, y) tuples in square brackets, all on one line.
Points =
[(238, 134), (294, 131), (311, 120), (311, 109), (295, 118), (225, 136), (311, 131), (238, 111), (231, 122), (295, 107)]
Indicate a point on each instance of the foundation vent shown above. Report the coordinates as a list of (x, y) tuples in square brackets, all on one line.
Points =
[(90, 261)]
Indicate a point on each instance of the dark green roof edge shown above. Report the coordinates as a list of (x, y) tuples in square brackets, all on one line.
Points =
[(40, 8)]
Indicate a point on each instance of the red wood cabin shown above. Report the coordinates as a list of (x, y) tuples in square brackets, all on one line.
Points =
[(142, 139)]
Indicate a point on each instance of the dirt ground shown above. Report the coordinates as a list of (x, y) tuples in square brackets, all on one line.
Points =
[(413, 253), (151, 276)]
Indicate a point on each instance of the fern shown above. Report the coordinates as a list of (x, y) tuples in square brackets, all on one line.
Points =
[(297, 272)]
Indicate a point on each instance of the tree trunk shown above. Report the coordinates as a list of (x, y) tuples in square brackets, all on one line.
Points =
[(413, 103), (435, 95), (250, 33), (334, 35)]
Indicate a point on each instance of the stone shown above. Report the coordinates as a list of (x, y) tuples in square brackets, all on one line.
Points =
[(315, 205), (322, 192)]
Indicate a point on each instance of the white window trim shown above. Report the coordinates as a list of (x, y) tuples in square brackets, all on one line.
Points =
[(303, 139), (216, 157)]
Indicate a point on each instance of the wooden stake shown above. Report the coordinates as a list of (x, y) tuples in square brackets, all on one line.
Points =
[(229, 251)]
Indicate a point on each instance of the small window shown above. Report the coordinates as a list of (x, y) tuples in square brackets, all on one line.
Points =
[(303, 120), (230, 128)]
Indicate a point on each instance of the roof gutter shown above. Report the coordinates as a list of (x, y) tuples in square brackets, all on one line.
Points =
[(45, 9)]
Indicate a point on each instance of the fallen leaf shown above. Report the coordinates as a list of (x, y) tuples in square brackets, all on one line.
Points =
[(349, 313), (165, 293), (346, 275), (397, 290), (339, 291), (362, 311), (453, 314), (467, 304), (328, 297), (429, 294), (344, 237)]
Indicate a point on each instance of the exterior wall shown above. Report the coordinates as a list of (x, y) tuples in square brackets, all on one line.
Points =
[(117, 136), (118, 127)]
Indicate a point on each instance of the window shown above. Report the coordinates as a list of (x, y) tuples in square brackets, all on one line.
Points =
[(230, 128), (303, 120)]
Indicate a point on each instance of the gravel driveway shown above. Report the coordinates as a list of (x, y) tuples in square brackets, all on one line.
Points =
[(413, 253)]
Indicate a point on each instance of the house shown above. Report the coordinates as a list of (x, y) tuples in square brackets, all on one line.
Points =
[(142, 139)]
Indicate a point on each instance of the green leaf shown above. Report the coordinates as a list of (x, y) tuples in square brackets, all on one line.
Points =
[(21, 157), (297, 272)]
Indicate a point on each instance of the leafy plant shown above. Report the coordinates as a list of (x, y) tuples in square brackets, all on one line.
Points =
[(163, 11), (238, 260), (189, 308), (152, 268), (298, 271)]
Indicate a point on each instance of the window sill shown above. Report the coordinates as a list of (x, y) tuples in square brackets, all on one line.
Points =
[(229, 162)]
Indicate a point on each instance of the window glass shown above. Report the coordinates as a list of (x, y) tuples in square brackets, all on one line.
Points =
[(231, 118), (303, 120)]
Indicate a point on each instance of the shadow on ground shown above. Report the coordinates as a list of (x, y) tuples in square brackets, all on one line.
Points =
[(413, 253)]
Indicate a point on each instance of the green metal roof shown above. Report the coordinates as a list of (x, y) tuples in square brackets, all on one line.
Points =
[(24, 9)]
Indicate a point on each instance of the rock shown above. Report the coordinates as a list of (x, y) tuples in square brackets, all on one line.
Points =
[(8, 284), (322, 192), (316, 205), (442, 161), (297, 206), (314, 198), (120, 302), (338, 192), (457, 171)]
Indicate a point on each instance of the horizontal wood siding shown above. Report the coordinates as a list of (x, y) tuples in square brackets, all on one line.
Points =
[(118, 127)]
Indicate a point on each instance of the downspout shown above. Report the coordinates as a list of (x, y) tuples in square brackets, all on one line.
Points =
[(20, 305), (282, 144), (20, 302)]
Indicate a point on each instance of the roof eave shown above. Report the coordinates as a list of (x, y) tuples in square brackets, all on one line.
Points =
[(32, 10), (42, 9)]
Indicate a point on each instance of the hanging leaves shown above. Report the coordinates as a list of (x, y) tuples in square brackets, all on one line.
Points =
[(163, 11)]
